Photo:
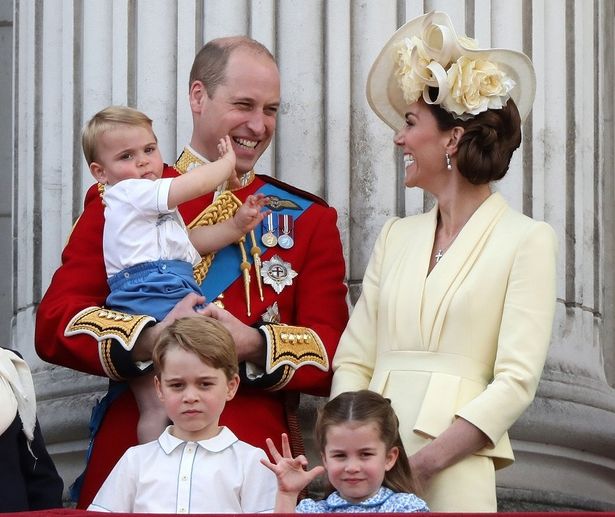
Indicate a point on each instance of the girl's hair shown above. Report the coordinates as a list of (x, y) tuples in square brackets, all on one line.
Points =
[(107, 119), (203, 336), (488, 141), (366, 406)]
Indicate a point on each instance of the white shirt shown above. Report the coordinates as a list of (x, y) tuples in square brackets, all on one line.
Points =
[(169, 475), (139, 227)]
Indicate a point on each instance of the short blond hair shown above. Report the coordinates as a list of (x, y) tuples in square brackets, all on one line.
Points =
[(203, 336), (106, 119)]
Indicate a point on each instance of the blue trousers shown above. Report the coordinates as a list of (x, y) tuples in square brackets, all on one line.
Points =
[(151, 288)]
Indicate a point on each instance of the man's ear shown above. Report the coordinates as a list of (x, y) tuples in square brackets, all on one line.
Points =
[(197, 95), (98, 171)]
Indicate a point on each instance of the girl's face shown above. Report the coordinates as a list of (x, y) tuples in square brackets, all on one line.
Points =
[(424, 148), (356, 459)]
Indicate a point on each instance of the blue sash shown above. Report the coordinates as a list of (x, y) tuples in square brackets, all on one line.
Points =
[(223, 272)]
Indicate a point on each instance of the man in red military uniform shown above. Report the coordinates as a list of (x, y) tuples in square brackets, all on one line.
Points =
[(280, 291)]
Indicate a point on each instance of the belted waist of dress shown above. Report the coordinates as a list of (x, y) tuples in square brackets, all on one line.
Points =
[(436, 362)]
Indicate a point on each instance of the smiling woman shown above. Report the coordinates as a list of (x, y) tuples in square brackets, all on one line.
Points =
[(470, 285)]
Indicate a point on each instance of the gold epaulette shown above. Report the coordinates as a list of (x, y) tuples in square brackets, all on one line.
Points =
[(223, 208), (103, 324)]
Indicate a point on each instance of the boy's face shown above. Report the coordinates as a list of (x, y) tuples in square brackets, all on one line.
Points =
[(126, 152), (194, 394)]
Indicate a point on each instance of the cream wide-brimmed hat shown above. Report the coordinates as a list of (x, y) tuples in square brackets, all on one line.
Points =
[(426, 52)]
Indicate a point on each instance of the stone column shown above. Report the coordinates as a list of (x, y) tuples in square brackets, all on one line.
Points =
[(565, 443)]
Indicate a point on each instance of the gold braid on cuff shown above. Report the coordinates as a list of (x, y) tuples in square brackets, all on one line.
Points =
[(104, 324), (293, 347)]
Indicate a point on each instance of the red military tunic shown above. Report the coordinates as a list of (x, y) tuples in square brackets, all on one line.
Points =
[(298, 359)]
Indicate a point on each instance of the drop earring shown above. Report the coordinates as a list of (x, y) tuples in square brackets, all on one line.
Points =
[(448, 162)]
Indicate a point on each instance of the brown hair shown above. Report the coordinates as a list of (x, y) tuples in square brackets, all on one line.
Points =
[(488, 142), (203, 336), (366, 406), (209, 65), (106, 119)]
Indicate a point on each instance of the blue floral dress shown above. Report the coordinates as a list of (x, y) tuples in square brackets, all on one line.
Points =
[(384, 501)]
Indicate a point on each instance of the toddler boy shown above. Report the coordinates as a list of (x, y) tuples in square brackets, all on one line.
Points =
[(149, 254)]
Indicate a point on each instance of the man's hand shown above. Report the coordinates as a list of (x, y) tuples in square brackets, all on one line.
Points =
[(249, 343), (144, 345)]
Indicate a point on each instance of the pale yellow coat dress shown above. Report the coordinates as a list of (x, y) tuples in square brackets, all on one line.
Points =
[(467, 340)]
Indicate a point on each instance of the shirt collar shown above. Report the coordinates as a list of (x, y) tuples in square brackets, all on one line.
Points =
[(225, 438), (336, 501), (196, 154), (190, 158)]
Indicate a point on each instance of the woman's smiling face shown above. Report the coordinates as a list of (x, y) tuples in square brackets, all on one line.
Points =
[(423, 145)]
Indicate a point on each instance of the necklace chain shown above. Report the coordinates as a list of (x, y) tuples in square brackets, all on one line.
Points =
[(440, 253)]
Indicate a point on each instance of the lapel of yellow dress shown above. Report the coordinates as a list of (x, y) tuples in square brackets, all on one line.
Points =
[(446, 277)]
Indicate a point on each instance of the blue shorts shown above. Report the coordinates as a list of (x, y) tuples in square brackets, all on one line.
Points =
[(151, 288)]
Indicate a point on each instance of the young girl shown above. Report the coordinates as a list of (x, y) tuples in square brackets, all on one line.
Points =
[(362, 453)]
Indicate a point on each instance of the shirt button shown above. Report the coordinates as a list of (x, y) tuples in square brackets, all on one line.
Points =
[(182, 510), (189, 449), (184, 478), (126, 275)]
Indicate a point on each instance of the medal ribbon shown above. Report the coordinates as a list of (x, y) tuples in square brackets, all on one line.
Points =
[(220, 276)]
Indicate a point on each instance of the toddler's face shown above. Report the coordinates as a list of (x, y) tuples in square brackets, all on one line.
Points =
[(194, 394), (127, 152)]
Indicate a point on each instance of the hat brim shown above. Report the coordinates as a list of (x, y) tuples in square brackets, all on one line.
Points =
[(386, 98)]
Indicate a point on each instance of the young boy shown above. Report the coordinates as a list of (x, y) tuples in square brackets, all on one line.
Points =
[(149, 254), (195, 466)]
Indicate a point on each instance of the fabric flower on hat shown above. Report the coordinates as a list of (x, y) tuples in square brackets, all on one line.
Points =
[(476, 85), (438, 59), (412, 71)]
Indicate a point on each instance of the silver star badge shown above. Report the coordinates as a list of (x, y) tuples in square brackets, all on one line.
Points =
[(277, 273)]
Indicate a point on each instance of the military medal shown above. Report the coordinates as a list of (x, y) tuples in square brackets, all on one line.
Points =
[(285, 223), (268, 238), (277, 273), (272, 314)]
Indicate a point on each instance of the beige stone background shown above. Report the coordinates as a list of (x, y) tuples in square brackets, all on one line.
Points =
[(63, 60)]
